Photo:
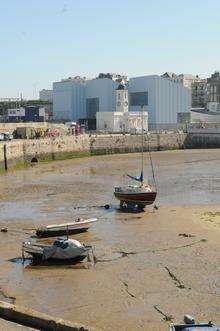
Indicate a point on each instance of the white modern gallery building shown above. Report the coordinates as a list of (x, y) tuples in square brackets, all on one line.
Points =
[(76, 98)]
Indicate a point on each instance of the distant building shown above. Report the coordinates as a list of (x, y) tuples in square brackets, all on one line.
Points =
[(199, 93), (197, 86), (213, 106), (27, 114), (214, 87), (187, 79), (69, 99), (163, 100), (100, 96), (78, 99), (121, 120), (170, 75), (46, 95), (48, 111), (116, 77)]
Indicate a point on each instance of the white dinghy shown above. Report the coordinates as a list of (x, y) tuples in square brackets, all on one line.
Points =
[(77, 226)]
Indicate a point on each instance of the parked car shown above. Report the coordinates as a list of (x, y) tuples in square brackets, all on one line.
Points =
[(8, 136), (25, 133), (52, 133)]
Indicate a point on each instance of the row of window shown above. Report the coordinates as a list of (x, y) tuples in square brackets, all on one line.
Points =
[(213, 88), (119, 96), (215, 98), (137, 98)]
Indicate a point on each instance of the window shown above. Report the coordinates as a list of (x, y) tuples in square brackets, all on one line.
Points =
[(92, 107), (139, 99)]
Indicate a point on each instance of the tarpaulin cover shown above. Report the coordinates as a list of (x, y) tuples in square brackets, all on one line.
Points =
[(63, 249)]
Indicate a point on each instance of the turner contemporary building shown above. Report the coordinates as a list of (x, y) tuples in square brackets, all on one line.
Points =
[(79, 99)]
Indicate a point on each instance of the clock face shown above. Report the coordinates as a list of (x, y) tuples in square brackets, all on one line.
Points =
[(126, 103)]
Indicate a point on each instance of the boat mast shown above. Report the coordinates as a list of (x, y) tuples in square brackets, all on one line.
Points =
[(142, 142)]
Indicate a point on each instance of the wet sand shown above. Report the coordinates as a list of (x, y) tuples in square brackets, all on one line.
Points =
[(168, 258), (9, 326)]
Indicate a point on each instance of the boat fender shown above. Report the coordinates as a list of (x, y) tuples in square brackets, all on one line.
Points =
[(189, 319)]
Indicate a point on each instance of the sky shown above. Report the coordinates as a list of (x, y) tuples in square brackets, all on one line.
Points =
[(43, 41)]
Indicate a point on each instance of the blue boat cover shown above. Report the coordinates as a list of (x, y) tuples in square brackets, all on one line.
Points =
[(138, 179)]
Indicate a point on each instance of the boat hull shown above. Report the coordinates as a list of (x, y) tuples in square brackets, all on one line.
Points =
[(193, 327), (65, 228), (38, 259), (141, 199), (43, 233)]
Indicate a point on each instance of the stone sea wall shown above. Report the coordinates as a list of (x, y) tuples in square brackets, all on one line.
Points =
[(20, 153), (10, 127), (203, 139), (110, 144)]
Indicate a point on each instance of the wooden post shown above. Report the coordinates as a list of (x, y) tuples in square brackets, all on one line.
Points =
[(5, 157)]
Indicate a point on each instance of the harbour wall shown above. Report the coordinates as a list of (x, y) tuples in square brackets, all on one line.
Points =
[(203, 139), (20, 153), (39, 321), (10, 127)]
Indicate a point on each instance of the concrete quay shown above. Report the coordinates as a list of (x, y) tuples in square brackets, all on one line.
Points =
[(39, 321), (20, 153)]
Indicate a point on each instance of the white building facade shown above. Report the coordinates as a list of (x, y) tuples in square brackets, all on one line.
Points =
[(100, 95), (122, 121), (162, 99), (69, 99)]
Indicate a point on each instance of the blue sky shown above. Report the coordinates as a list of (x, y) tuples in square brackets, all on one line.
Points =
[(45, 40)]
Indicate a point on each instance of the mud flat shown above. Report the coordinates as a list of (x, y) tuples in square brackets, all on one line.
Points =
[(166, 259), (9, 326)]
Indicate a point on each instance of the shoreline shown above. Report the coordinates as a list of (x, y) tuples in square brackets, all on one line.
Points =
[(18, 154)]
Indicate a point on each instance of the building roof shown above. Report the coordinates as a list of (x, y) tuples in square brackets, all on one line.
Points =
[(120, 87), (169, 74)]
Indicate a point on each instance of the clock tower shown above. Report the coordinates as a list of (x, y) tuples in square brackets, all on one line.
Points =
[(121, 99)]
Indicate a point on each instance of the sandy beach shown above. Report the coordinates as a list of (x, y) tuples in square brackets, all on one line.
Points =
[(161, 260)]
